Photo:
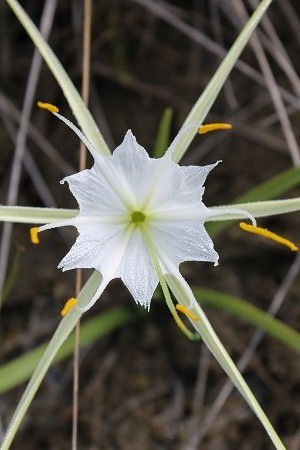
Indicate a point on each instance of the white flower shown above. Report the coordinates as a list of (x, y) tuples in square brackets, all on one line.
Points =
[(134, 208)]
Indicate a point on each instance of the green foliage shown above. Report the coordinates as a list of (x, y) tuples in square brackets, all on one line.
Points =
[(250, 314), (163, 134)]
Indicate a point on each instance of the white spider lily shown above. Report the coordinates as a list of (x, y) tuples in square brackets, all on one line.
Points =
[(138, 217)]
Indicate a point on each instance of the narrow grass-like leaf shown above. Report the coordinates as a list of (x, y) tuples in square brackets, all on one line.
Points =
[(210, 93), (163, 134), (275, 186), (250, 314), (81, 112), (62, 332), (183, 294), (21, 368), (12, 275)]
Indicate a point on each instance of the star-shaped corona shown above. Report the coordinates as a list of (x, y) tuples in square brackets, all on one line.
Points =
[(139, 218)]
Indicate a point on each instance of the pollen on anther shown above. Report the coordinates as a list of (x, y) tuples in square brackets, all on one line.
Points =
[(34, 235), (48, 107), (207, 128), (187, 312), (70, 303), (269, 235)]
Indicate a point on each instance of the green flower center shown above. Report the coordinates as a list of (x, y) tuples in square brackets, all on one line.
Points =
[(137, 217)]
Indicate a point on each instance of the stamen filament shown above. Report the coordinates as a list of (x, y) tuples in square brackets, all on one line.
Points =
[(187, 312), (207, 128), (70, 303), (34, 235), (48, 107), (269, 235), (192, 336), (54, 110)]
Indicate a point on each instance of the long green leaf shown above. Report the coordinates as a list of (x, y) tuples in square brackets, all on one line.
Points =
[(12, 276), (81, 112), (21, 368), (62, 332), (210, 93), (163, 135), (274, 187), (250, 314)]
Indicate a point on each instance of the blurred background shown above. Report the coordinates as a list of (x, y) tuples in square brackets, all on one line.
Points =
[(145, 386)]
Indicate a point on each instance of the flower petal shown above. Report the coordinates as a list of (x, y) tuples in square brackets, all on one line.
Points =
[(180, 212), (195, 176), (134, 167), (165, 183), (137, 271), (99, 250), (174, 185), (185, 241), (94, 193)]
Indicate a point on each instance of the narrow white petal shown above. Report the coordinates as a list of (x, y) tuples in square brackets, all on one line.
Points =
[(224, 211), (84, 139), (57, 224)]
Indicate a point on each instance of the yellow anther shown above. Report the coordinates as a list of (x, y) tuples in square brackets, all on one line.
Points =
[(34, 235), (214, 127), (48, 107), (268, 234), (68, 306), (187, 312)]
